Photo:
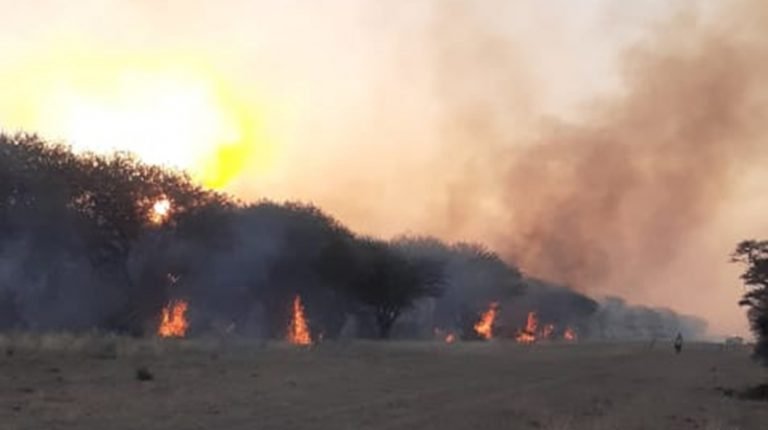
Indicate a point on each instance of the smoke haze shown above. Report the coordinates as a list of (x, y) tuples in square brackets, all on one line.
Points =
[(615, 148)]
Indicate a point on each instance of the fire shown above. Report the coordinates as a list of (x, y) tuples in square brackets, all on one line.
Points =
[(484, 327), (528, 334), (161, 210), (547, 331), (445, 335), (298, 329), (534, 331), (174, 320)]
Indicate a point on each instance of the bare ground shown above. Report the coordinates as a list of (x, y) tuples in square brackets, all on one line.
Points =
[(64, 382)]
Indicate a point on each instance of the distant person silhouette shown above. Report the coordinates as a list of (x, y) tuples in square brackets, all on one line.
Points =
[(679, 343)]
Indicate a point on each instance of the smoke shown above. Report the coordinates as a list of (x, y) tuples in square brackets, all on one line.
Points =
[(636, 193), (612, 201), (474, 277), (608, 202), (48, 288), (82, 248), (610, 147)]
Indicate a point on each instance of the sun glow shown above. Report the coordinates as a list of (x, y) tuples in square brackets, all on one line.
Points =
[(180, 114), (161, 210)]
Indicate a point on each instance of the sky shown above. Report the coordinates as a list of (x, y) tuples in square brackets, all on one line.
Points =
[(532, 126)]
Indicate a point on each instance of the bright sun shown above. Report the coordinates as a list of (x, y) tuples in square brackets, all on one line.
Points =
[(182, 117)]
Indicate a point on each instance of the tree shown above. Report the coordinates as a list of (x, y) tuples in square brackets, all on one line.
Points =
[(754, 255), (42, 252), (388, 283), (284, 250), (473, 277), (69, 224)]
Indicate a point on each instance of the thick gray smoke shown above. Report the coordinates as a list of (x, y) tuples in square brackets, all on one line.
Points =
[(445, 132), (609, 199)]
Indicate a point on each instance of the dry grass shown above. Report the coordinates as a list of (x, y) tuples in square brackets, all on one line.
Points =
[(87, 382)]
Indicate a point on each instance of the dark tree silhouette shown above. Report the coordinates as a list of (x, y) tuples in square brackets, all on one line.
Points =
[(388, 283), (754, 255), (42, 248), (474, 277), (289, 249), (73, 220), (81, 249)]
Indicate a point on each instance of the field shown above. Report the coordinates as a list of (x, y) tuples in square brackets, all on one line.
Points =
[(90, 382)]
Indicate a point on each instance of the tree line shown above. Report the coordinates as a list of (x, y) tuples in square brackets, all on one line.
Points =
[(81, 248)]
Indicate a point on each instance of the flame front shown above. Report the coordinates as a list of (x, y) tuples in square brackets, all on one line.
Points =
[(484, 327), (534, 331), (174, 320), (298, 329), (450, 338), (528, 334)]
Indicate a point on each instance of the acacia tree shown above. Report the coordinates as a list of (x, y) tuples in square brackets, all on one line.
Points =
[(388, 283), (754, 255)]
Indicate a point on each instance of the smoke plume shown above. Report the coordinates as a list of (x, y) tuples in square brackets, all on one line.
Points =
[(608, 202), (631, 195), (612, 147)]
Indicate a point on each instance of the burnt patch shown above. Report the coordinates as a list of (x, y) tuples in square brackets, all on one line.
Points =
[(756, 393), (144, 375)]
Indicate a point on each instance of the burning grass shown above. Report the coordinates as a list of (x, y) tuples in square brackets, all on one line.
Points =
[(484, 327), (173, 321), (533, 331), (298, 329), (528, 334)]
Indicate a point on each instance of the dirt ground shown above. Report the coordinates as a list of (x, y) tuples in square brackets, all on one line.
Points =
[(74, 383)]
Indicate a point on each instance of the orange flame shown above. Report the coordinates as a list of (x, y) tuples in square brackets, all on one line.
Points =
[(570, 335), (446, 335), (528, 334), (484, 327), (174, 321), (298, 329)]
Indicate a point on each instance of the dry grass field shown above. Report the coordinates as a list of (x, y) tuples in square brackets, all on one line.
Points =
[(90, 383)]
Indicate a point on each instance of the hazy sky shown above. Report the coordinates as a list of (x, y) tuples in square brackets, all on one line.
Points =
[(394, 116)]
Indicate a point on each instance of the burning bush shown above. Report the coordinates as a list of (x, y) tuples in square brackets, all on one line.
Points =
[(484, 326)]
